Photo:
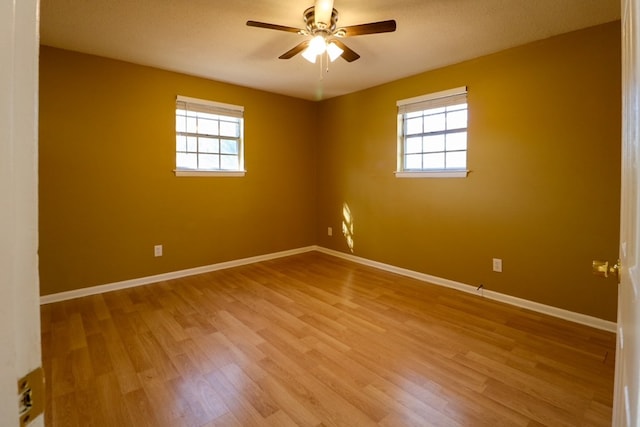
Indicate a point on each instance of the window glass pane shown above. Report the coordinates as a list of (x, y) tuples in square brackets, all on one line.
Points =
[(433, 143), (229, 162), (228, 146), (414, 145), (414, 114), (181, 123), (186, 161), (414, 126), (434, 123), (209, 145), (192, 124), (413, 161), (208, 161), (181, 143), (456, 141), (457, 107), (457, 119), (457, 160), (208, 127), (433, 161), (229, 129), (192, 144)]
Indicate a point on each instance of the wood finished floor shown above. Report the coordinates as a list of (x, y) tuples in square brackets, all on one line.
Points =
[(313, 340)]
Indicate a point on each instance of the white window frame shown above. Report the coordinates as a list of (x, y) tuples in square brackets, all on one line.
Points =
[(422, 103), (226, 110)]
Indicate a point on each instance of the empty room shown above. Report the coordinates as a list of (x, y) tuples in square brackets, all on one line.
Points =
[(331, 213)]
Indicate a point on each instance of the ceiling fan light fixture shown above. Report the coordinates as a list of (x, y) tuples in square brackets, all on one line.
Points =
[(317, 46), (309, 56), (321, 21), (334, 51)]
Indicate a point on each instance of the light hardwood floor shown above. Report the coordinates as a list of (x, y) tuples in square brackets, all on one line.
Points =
[(313, 340)]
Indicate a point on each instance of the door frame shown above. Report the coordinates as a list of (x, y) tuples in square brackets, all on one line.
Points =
[(20, 348)]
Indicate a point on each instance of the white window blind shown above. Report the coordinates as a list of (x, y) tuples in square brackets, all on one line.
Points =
[(433, 100), (211, 107)]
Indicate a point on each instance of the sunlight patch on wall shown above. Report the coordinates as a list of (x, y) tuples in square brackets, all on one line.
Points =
[(347, 226)]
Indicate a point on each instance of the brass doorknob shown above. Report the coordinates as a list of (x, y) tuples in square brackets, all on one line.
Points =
[(615, 269), (602, 268)]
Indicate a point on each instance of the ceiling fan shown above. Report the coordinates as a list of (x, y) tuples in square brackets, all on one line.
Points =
[(321, 24)]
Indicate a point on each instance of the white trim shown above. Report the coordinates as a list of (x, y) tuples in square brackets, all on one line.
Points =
[(432, 174), (571, 316), (594, 322), (211, 103), (219, 173), (633, 276), (20, 338), (93, 290), (434, 95)]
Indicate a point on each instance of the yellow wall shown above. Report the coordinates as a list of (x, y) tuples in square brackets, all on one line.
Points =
[(543, 192), (108, 193)]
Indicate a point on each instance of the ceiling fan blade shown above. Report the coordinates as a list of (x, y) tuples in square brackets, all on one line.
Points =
[(370, 28), (348, 54), (322, 11), (273, 26), (295, 50)]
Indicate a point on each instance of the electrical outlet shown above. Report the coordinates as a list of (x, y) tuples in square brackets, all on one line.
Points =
[(157, 250), (329, 231), (497, 265)]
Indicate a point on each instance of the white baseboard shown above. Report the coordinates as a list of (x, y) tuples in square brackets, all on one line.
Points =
[(519, 302), (93, 290), (583, 319)]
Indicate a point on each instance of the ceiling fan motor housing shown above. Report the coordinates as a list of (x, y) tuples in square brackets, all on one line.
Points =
[(314, 27)]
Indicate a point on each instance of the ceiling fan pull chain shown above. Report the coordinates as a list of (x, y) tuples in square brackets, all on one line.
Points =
[(326, 58)]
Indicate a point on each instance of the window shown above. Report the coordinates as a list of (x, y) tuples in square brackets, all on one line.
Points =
[(432, 135), (209, 138)]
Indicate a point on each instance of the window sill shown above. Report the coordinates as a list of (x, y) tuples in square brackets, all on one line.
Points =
[(432, 174), (217, 173)]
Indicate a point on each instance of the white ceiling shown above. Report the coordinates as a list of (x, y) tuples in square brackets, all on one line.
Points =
[(209, 38)]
